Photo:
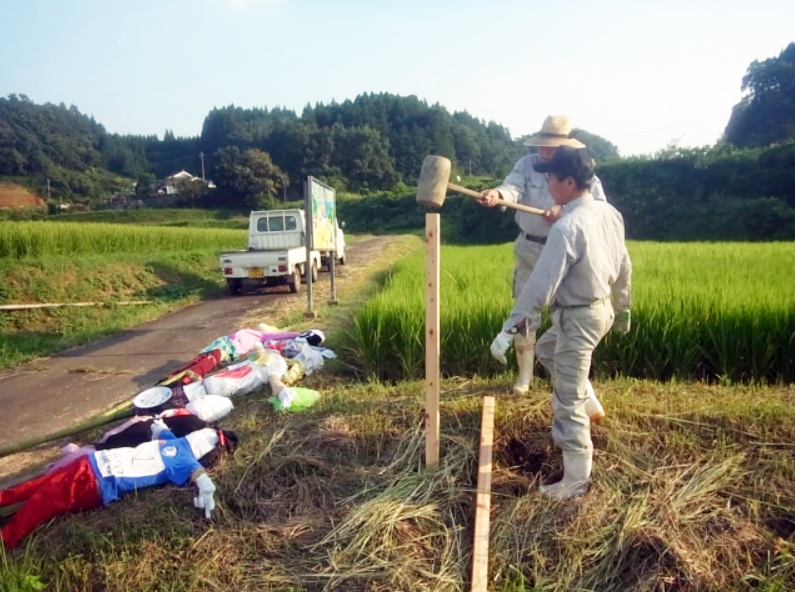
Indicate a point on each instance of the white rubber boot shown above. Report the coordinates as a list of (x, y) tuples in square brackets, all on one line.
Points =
[(525, 358), (593, 408), (576, 474)]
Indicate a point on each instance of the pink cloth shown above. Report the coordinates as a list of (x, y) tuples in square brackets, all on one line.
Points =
[(246, 340)]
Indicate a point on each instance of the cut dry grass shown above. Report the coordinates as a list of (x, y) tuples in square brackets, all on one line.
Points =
[(692, 491)]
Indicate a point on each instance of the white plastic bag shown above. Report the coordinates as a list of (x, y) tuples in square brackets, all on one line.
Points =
[(242, 379), (311, 360), (210, 408)]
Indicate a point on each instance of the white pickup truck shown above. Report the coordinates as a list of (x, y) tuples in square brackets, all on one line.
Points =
[(276, 253)]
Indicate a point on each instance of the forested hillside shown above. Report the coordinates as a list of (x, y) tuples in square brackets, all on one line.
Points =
[(371, 143)]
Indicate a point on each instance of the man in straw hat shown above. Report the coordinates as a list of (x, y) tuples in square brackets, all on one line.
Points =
[(583, 271), (527, 186)]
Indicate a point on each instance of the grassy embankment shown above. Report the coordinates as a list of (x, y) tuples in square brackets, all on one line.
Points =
[(46, 262)]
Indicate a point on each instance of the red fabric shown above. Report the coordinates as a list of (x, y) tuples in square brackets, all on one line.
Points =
[(202, 364), (73, 488)]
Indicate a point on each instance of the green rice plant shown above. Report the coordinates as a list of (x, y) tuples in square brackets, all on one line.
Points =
[(700, 310), (21, 240)]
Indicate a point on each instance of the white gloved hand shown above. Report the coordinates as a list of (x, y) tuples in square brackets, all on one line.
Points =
[(286, 397), (205, 501), (500, 345), (623, 321), (158, 425)]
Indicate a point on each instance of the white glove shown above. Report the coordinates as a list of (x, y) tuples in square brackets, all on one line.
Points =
[(205, 500), (500, 345), (286, 397), (623, 321), (158, 426)]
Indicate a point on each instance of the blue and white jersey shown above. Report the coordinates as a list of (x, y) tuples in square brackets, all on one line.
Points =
[(167, 460)]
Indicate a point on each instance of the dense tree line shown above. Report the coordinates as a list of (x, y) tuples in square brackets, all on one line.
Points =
[(371, 143), (721, 193), (766, 113)]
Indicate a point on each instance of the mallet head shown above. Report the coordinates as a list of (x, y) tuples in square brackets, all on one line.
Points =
[(434, 176)]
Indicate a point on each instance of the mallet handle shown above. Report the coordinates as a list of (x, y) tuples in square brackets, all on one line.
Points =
[(500, 202)]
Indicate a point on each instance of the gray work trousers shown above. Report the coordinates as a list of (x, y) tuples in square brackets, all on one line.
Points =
[(565, 350), (526, 254)]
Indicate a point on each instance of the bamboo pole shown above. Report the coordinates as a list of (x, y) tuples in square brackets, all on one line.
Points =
[(432, 339), (118, 412), (57, 304), (480, 555)]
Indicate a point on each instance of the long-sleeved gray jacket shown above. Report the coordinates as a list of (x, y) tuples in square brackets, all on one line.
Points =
[(526, 186)]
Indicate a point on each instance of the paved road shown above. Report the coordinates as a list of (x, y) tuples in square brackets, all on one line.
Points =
[(51, 394)]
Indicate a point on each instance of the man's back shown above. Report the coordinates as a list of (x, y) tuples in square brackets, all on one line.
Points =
[(594, 233)]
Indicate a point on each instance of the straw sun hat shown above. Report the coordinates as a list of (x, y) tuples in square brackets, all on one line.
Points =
[(556, 131)]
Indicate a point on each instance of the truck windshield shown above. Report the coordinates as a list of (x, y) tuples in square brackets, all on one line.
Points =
[(276, 223)]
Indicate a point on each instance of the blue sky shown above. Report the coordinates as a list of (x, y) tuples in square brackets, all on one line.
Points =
[(640, 74)]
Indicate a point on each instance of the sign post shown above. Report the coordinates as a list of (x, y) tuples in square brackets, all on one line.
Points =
[(321, 213)]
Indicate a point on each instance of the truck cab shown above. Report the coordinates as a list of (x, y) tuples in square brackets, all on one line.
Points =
[(276, 253)]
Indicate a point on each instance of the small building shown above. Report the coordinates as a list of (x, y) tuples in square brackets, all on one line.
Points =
[(170, 185)]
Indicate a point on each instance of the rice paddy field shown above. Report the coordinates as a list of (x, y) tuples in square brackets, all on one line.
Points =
[(708, 311), (19, 240)]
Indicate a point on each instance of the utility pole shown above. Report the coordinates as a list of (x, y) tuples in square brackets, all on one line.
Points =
[(201, 155), (49, 198)]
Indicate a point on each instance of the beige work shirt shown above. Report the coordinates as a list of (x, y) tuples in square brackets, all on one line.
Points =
[(527, 186), (584, 260)]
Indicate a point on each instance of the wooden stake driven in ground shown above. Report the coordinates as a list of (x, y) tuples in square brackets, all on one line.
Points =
[(480, 554), (432, 339)]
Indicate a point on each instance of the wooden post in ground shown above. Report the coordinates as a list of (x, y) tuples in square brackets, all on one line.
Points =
[(480, 554), (432, 339)]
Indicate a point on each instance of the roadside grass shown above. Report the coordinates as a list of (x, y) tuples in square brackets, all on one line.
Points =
[(692, 491), (170, 280)]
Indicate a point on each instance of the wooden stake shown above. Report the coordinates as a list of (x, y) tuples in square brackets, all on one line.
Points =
[(480, 555), (432, 340)]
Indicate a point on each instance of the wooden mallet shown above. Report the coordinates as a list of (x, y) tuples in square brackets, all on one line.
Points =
[(434, 184)]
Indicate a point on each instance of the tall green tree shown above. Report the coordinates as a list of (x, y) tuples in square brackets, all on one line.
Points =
[(246, 178), (766, 114)]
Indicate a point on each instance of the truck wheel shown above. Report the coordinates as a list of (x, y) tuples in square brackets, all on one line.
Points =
[(235, 287), (295, 283), (314, 271), (343, 260)]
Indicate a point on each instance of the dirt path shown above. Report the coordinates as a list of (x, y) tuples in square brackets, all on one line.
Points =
[(52, 393)]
